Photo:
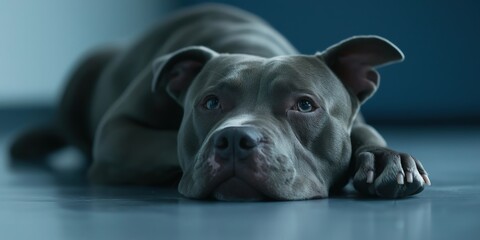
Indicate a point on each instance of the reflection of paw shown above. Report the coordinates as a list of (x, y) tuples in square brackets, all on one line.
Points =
[(386, 173)]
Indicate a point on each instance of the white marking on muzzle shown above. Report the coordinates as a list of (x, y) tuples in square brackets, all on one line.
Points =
[(214, 165), (237, 121)]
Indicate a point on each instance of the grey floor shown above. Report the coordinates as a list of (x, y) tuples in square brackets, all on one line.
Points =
[(41, 204)]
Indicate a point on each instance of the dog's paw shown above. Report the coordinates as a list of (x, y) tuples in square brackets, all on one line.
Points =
[(386, 173)]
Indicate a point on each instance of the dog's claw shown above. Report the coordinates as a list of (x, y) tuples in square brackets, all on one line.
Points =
[(426, 179), (400, 179), (370, 176), (409, 176)]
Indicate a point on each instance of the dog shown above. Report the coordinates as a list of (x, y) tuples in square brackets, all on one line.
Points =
[(217, 96)]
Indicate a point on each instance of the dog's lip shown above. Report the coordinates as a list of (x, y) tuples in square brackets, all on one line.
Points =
[(227, 172), (229, 180), (236, 189)]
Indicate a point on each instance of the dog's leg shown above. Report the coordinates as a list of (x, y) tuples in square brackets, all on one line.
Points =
[(76, 101), (69, 126), (136, 142), (380, 171), (128, 152)]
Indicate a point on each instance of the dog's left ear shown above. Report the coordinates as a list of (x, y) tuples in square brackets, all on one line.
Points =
[(176, 71), (354, 61)]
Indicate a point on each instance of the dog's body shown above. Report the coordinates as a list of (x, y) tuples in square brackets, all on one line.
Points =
[(234, 107)]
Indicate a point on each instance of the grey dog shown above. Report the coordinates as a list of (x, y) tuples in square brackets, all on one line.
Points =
[(214, 94)]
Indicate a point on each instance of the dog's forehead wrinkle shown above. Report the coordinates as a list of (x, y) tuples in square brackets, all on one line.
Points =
[(236, 71), (285, 71), (231, 63), (233, 71)]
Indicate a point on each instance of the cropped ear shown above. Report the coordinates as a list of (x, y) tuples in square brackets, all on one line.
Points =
[(354, 61), (176, 71)]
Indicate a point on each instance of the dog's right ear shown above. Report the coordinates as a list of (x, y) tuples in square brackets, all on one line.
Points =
[(176, 71)]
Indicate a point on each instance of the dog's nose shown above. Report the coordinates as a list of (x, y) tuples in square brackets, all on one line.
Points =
[(236, 142)]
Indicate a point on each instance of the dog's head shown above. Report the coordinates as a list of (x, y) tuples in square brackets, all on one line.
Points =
[(269, 128)]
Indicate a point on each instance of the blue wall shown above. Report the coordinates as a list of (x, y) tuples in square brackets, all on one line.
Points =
[(439, 80), (41, 41)]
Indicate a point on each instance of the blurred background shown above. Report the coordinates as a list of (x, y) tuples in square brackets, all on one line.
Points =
[(40, 42), (438, 84)]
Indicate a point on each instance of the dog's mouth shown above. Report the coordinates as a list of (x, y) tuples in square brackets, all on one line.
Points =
[(236, 189)]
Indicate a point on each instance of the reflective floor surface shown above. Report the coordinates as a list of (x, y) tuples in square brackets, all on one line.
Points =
[(44, 204)]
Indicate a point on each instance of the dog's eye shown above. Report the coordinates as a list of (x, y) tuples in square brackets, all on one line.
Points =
[(305, 105), (212, 103)]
